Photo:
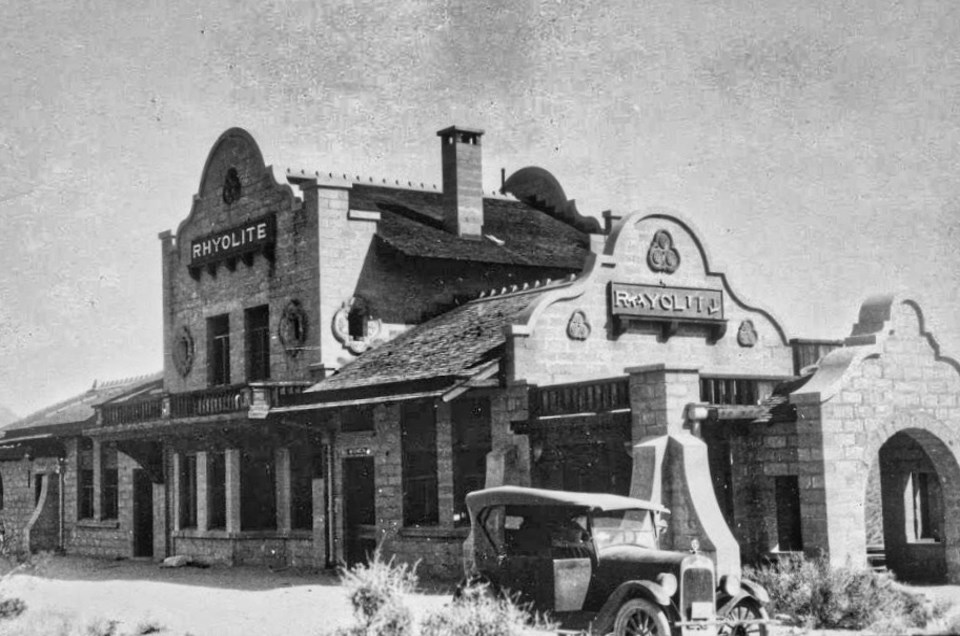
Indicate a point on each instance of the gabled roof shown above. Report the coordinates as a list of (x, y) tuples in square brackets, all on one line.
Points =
[(515, 233), (441, 351), (70, 415)]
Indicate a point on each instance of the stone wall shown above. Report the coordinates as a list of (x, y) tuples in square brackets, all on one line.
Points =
[(890, 380), (291, 273)]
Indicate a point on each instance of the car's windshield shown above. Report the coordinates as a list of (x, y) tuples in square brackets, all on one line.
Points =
[(624, 527)]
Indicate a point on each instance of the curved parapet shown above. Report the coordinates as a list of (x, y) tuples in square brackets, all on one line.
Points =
[(235, 150), (650, 283), (878, 322)]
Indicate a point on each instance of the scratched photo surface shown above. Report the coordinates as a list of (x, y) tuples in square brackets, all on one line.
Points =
[(814, 147)]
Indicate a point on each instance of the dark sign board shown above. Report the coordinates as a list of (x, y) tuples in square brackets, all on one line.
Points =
[(254, 235), (654, 302)]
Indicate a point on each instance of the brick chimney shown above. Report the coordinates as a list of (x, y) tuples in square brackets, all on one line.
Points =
[(461, 156)]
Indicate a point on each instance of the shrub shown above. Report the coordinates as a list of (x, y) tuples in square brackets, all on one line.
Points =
[(819, 596), (376, 591), (11, 608), (478, 612)]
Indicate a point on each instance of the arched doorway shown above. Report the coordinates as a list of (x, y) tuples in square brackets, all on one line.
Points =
[(919, 505)]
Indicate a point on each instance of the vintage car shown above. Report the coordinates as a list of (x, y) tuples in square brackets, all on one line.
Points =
[(592, 562)]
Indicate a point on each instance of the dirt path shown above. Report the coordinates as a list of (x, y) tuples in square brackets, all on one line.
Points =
[(202, 602)]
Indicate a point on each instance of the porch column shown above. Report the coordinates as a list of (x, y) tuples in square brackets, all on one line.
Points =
[(175, 485), (203, 517), (231, 459), (282, 463), (97, 480), (658, 398)]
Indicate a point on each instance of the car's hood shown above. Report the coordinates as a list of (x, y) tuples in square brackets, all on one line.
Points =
[(636, 554)]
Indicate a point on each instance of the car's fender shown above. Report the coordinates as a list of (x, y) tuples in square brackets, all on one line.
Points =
[(755, 590), (649, 590)]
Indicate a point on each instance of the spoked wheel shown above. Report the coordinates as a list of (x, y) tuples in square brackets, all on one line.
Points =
[(736, 621), (640, 617)]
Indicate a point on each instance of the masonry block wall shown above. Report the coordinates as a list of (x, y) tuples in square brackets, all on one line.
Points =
[(549, 355), (18, 501), (899, 384), (230, 287)]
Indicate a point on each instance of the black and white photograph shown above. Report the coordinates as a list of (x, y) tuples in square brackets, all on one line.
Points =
[(468, 318)]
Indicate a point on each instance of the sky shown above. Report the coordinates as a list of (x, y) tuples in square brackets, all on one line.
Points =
[(814, 146)]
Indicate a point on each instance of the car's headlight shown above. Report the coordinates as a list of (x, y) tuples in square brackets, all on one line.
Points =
[(730, 584), (668, 582)]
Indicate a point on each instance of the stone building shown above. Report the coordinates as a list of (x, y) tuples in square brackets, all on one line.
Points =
[(346, 359)]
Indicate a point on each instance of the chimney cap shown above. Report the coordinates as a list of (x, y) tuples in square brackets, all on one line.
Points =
[(452, 130)]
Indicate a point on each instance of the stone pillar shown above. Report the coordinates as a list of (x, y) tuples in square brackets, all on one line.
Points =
[(175, 495), (159, 522), (444, 463), (320, 556), (282, 463), (231, 458), (811, 469), (658, 398), (97, 479), (203, 516), (670, 464)]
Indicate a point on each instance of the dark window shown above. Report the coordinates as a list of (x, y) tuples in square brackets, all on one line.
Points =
[(85, 479), (787, 496), (258, 490), (356, 418), (471, 443), (188, 491), (301, 486), (258, 343), (216, 491), (218, 349), (418, 426), (109, 483), (37, 488), (357, 321)]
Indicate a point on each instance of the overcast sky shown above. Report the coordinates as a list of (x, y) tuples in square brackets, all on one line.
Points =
[(815, 146)]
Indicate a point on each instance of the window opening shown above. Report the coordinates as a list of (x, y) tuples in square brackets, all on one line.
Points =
[(258, 490), (218, 338), (418, 437), (787, 493), (471, 443), (216, 491), (258, 343), (301, 487), (188, 491), (921, 496), (85, 478), (109, 483)]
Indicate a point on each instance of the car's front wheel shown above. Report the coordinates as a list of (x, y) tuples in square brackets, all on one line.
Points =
[(640, 617), (739, 620)]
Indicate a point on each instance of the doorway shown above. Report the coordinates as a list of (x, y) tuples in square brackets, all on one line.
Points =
[(360, 519), (142, 514)]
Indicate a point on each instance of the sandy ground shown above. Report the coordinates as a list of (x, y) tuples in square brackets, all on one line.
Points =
[(237, 601), (66, 595)]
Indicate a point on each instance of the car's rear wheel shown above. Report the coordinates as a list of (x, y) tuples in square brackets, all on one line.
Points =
[(640, 617), (737, 621)]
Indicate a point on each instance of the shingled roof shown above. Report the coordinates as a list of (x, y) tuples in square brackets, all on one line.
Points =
[(445, 350), (72, 414), (516, 234)]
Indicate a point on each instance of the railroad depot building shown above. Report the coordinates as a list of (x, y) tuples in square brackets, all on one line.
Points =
[(345, 360)]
